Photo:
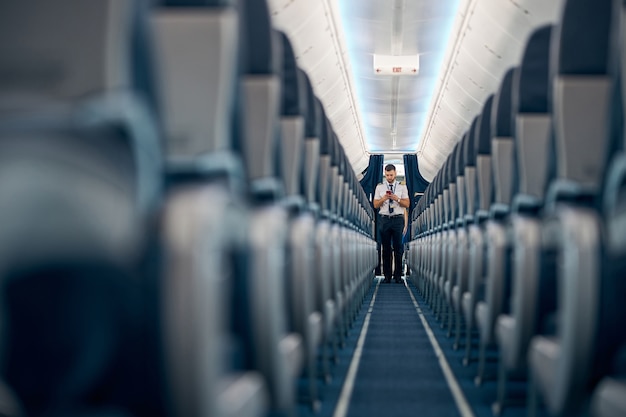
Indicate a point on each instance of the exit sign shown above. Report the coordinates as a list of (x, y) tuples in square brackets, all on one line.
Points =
[(396, 64)]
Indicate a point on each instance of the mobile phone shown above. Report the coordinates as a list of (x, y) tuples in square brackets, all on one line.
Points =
[(388, 192)]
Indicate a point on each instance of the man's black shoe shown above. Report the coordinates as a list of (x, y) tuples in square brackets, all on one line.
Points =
[(398, 281), (387, 281)]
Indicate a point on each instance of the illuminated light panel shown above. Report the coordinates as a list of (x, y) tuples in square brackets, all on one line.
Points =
[(426, 31)]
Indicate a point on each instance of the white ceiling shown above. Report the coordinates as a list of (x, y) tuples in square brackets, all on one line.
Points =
[(465, 47)]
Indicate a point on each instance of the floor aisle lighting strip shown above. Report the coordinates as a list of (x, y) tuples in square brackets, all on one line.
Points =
[(348, 386), (457, 393)]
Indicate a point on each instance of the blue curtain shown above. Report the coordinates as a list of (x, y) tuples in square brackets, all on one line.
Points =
[(415, 183), (373, 175)]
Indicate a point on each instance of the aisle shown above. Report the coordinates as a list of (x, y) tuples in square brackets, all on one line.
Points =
[(398, 371)]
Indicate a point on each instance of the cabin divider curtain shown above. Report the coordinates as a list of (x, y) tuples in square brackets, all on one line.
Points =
[(415, 183), (373, 176)]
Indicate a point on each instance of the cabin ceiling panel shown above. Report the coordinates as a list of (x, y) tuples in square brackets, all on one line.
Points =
[(448, 119), (489, 37), (464, 48), (317, 36), (460, 104), (445, 132), (342, 126), (477, 76), (442, 149), (342, 116), (351, 149), (345, 128)]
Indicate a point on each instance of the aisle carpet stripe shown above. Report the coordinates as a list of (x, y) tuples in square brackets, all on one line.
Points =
[(348, 385)]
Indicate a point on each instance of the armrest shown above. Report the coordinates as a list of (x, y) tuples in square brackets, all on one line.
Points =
[(292, 351), (609, 398), (243, 395)]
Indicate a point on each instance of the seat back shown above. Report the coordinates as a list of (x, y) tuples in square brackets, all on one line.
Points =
[(581, 96), (313, 133), (502, 143), (459, 168), (469, 155), (452, 194), (293, 112), (532, 127), (79, 115), (197, 55), (37, 63), (483, 159), (262, 65)]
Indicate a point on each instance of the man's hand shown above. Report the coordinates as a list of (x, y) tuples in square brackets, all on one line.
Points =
[(391, 197)]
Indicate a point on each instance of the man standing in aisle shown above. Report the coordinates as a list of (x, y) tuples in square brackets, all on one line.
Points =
[(391, 198)]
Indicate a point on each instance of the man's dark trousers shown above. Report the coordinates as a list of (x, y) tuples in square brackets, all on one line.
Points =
[(391, 231)]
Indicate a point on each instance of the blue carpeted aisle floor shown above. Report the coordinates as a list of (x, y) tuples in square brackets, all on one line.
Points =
[(397, 370), (399, 374)]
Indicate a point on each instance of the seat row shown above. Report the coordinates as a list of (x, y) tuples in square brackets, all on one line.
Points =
[(519, 238), (181, 231)]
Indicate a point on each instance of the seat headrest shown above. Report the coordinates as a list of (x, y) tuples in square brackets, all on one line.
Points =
[(314, 120), (483, 142), (442, 174), (344, 165), (335, 149), (435, 182), (261, 53), (451, 173), (69, 49), (583, 42), (469, 147), (326, 132), (443, 177), (293, 91), (532, 81), (76, 204), (501, 108), (459, 157)]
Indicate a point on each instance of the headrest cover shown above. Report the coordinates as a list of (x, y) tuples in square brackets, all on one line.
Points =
[(483, 142), (293, 100), (326, 133), (583, 42), (335, 149), (438, 188), (261, 41), (501, 110), (469, 147), (442, 174), (314, 119), (65, 49), (459, 158), (531, 84), (451, 174), (332, 143), (451, 171), (344, 167)]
